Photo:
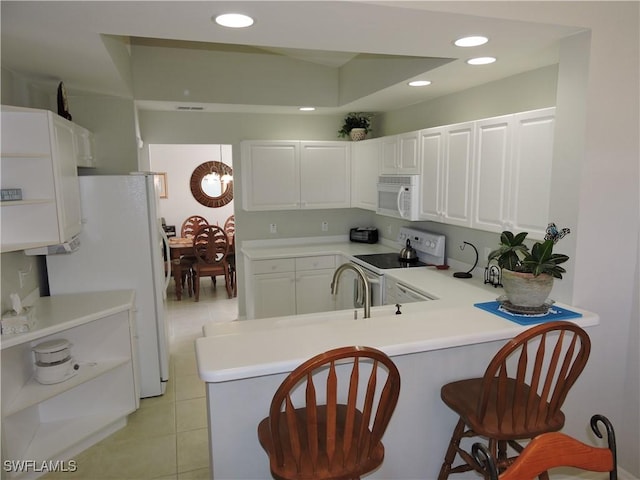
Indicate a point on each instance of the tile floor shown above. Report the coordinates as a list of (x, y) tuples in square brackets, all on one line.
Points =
[(166, 438)]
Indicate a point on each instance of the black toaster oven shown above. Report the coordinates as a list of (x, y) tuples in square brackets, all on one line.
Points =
[(364, 235)]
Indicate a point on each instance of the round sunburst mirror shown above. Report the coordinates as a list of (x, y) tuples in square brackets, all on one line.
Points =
[(212, 184)]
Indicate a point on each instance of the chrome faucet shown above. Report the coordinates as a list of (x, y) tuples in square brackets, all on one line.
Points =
[(365, 283)]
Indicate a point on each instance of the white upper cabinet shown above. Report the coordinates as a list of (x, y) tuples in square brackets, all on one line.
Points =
[(447, 162), (288, 175), (365, 161), (400, 154), (84, 147), (493, 169), (512, 181), (325, 175), (38, 156), (270, 175), (530, 182)]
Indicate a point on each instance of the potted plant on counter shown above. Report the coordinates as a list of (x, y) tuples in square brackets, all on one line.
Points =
[(527, 275), (356, 126)]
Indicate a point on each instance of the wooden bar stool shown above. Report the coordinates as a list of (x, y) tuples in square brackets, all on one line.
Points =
[(555, 449), (520, 395), (334, 432)]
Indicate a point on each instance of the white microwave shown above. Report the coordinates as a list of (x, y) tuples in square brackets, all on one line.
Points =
[(398, 196)]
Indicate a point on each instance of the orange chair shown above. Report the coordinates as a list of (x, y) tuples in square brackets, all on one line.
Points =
[(520, 395), (210, 247), (325, 437), (555, 449)]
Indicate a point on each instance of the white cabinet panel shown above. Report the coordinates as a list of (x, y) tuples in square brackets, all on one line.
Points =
[(325, 175), (512, 179), (401, 154), (270, 175), (365, 163), (287, 175), (288, 286), (447, 161), (531, 171), (492, 172)]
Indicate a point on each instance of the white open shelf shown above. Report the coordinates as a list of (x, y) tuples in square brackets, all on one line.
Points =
[(33, 392)]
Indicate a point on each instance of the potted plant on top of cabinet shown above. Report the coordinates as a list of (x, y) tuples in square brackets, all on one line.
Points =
[(356, 126), (527, 275)]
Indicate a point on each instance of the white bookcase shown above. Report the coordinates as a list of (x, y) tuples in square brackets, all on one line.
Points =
[(54, 422)]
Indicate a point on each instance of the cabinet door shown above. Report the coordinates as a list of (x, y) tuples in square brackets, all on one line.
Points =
[(457, 174), (408, 153), (431, 178), (365, 161), (530, 177), (270, 175), (274, 294), (83, 142), (66, 178), (325, 175), (492, 169), (313, 291), (389, 159)]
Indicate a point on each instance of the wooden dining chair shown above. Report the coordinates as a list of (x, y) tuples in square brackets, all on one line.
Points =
[(519, 396), (230, 230), (555, 449), (328, 416), (191, 225), (210, 247)]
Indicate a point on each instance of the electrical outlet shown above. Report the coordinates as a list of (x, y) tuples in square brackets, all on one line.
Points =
[(273, 228), (325, 226)]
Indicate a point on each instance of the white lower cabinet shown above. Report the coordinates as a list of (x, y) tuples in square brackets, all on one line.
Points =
[(53, 422), (290, 286)]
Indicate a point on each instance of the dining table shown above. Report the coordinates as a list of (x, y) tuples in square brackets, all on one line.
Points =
[(178, 247), (181, 246)]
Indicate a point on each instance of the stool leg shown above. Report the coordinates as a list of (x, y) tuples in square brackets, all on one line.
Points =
[(452, 450)]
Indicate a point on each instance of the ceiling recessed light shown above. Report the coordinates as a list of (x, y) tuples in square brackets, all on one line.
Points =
[(234, 20), (307, 109), (419, 83), (472, 41), (481, 60)]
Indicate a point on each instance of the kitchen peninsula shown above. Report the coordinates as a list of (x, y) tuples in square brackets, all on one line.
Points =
[(431, 342)]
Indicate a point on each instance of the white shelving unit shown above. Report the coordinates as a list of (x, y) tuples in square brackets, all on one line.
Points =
[(39, 156), (54, 422)]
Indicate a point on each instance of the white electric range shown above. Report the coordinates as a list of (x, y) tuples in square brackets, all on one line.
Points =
[(430, 249)]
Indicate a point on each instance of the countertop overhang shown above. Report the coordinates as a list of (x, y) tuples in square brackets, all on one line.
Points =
[(251, 348)]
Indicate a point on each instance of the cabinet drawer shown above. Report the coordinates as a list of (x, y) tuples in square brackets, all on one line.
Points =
[(273, 266), (314, 263)]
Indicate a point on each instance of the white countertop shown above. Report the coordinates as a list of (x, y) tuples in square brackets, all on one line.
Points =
[(251, 348), (61, 312)]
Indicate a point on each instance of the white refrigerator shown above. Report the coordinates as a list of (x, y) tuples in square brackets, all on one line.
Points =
[(121, 247)]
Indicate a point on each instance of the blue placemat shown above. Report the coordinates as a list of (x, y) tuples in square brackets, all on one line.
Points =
[(554, 313)]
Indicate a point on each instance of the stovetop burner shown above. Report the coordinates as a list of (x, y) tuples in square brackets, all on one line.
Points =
[(388, 260)]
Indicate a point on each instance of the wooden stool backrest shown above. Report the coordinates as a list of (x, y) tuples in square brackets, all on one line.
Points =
[(376, 406), (545, 360)]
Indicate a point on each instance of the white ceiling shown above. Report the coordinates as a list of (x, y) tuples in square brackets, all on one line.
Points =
[(86, 43)]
